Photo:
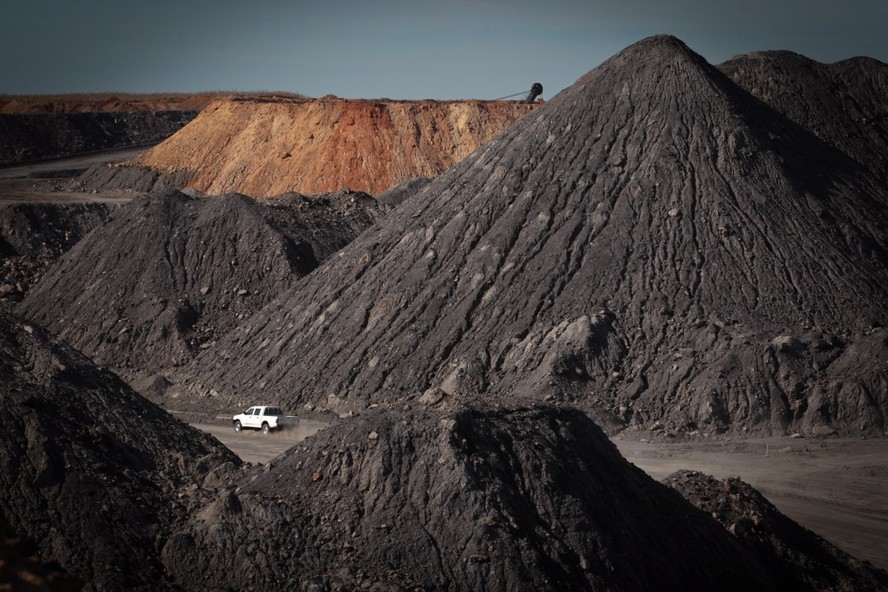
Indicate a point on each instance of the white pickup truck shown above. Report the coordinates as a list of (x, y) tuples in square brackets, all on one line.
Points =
[(265, 418)]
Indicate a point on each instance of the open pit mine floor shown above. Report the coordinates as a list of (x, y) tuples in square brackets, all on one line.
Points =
[(255, 447), (834, 487)]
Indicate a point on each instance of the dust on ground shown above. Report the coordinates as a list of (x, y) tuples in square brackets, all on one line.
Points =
[(255, 447)]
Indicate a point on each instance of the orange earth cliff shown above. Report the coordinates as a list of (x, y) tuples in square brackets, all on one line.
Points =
[(263, 148)]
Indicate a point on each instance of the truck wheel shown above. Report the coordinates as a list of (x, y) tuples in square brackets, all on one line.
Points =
[(266, 429), (237, 426)]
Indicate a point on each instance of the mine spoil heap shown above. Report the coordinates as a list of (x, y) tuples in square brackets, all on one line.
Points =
[(264, 148), (440, 496), (29, 137), (169, 273), (844, 104), (653, 244), (467, 499), (33, 236), (93, 474), (790, 550), (21, 567)]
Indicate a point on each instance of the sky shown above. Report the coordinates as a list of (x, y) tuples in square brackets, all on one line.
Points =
[(398, 49)]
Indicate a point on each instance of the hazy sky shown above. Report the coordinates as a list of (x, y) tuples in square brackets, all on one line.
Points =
[(402, 49)]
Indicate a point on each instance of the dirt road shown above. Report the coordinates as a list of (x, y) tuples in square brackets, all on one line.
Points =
[(254, 446), (836, 487), (61, 165), (47, 182)]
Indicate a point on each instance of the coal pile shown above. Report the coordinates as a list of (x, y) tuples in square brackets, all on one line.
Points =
[(463, 499), (34, 236), (845, 103), (392, 198), (120, 177), (22, 569), (169, 273), (788, 548), (31, 137), (654, 244), (422, 493), (93, 474)]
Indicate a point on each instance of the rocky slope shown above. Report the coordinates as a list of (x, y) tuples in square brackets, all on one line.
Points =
[(845, 103), (168, 273), (654, 244), (392, 197), (426, 493), (468, 499), (787, 547), (263, 148), (92, 473), (34, 236), (22, 569), (124, 177)]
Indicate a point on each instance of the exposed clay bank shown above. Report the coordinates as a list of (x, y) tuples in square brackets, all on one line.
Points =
[(264, 148)]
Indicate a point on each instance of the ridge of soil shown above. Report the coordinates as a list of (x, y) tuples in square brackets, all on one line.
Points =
[(791, 549), (123, 177), (798, 475), (34, 137), (263, 148), (424, 493), (33, 236), (445, 497), (653, 244), (168, 274), (124, 102), (93, 473), (843, 103)]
